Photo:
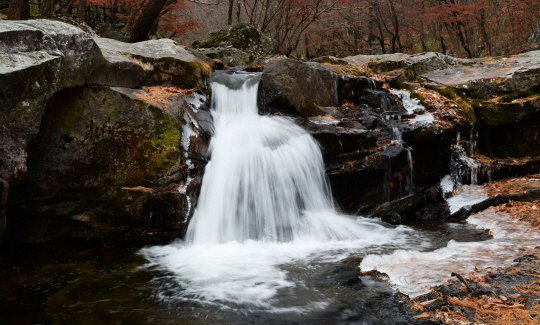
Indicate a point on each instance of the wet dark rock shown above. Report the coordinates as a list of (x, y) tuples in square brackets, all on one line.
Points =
[(298, 88), (103, 165), (377, 101), (338, 140), (349, 87), (366, 178), (4, 191), (430, 151), (402, 211)]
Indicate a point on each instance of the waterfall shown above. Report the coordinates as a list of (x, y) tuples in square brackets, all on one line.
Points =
[(265, 205), (265, 179)]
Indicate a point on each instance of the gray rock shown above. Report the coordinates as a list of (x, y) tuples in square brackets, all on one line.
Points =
[(238, 45), (520, 72), (37, 58), (116, 36), (123, 71), (413, 64), (298, 87), (171, 64)]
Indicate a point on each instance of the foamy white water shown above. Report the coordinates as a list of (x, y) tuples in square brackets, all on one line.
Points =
[(413, 106), (414, 273), (466, 195), (265, 203)]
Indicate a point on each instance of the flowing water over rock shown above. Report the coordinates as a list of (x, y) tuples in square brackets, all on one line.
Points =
[(264, 202), (265, 223), (266, 244)]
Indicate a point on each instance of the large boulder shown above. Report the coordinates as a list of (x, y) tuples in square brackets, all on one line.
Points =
[(104, 164), (37, 59), (237, 45), (168, 62), (298, 87)]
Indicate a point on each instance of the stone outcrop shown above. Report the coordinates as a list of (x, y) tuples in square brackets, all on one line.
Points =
[(237, 45), (489, 76), (411, 65), (37, 59), (298, 87), (84, 160), (168, 62), (103, 164)]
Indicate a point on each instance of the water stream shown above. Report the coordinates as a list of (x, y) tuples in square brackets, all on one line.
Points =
[(266, 245), (265, 215)]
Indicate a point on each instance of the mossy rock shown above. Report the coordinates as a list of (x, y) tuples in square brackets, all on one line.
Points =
[(244, 38)]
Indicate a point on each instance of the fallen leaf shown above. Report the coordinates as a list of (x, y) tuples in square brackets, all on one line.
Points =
[(422, 315)]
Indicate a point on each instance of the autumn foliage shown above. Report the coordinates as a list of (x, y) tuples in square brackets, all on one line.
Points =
[(171, 22)]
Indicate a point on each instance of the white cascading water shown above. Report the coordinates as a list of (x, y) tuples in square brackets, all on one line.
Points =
[(266, 178), (264, 203)]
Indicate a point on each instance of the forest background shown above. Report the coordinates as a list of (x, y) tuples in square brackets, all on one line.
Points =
[(314, 28)]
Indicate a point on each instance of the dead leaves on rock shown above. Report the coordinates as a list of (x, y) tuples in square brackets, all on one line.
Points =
[(160, 96)]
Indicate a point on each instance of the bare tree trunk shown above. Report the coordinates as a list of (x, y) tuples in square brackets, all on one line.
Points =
[(144, 23), (19, 10), (238, 11), (231, 5), (81, 10)]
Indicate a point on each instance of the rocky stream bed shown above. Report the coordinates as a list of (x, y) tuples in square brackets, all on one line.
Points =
[(104, 144)]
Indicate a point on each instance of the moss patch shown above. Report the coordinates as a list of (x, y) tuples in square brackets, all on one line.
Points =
[(310, 107), (447, 92), (384, 66)]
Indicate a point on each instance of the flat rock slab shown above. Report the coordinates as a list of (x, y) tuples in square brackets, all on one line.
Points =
[(520, 72), (415, 64), (170, 63)]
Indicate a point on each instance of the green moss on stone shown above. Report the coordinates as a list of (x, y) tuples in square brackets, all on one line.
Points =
[(310, 107), (417, 96), (384, 66), (447, 92)]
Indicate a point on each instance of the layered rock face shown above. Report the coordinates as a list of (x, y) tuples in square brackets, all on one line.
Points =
[(499, 96), (87, 153), (366, 146)]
